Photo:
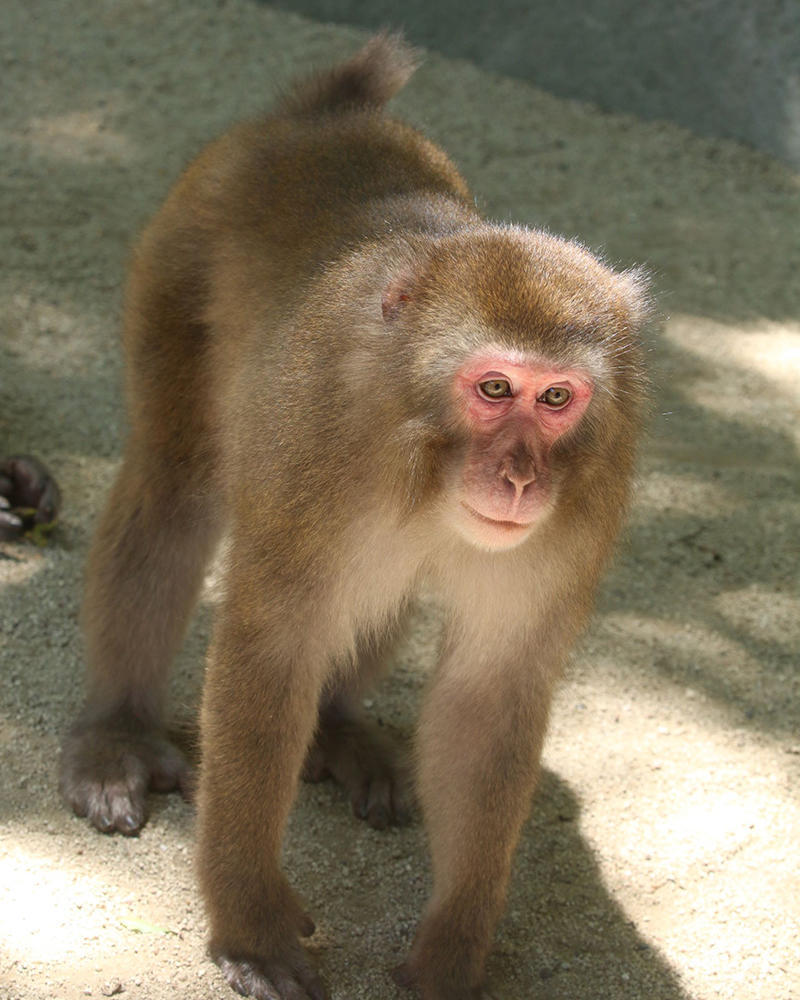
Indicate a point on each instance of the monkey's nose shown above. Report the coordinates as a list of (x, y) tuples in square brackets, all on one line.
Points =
[(519, 476)]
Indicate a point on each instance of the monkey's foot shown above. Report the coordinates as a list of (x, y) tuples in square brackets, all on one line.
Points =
[(365, 762), (29, 499), (290, 977), (106, 773)]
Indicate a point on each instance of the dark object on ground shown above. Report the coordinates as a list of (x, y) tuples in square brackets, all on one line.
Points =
[(29, 499)]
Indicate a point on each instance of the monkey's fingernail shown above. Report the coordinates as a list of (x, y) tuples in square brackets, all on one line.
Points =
[(129, 824), (104, 824)]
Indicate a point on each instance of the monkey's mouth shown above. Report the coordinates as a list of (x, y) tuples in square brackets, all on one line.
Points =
[(502, 525)]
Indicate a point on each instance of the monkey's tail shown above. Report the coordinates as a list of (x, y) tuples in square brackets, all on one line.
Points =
[(372, 76)]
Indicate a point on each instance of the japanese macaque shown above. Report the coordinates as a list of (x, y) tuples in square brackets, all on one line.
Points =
[(334, 358)]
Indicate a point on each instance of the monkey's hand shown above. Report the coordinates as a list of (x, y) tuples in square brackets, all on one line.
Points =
[(106, 772), (289, 977), (29, 499)]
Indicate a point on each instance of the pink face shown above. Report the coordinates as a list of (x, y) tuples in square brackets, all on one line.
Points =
[(514, 410)]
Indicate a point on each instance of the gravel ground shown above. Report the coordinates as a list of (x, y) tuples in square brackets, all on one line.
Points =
[(660, 860)]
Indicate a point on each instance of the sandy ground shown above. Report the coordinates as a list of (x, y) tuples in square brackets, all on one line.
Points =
[(660, 860)]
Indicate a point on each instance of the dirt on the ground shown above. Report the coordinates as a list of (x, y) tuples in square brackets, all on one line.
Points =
[(660, 861)]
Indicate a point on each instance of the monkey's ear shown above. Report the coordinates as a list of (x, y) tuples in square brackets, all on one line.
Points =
[(395, 296)]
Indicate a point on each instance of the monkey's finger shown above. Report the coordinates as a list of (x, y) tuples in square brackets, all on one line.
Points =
[(246, 979), (114, 804), (125, 804), (309, 985), (129, 820), (112, 810)]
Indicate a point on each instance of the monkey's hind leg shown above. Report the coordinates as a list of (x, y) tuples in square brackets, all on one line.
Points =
[(148, 556), (145, 570), (358, 753)]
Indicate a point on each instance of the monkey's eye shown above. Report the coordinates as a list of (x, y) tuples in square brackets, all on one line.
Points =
[(556, 397), (495, 388)]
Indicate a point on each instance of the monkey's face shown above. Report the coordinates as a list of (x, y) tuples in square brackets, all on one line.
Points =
[(513, 408)]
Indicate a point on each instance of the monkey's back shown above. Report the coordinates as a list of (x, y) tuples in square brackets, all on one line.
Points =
[(294, 193), (254, 222)]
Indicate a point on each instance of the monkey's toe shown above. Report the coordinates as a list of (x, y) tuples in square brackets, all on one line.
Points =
[(381, 801), (366, 763)]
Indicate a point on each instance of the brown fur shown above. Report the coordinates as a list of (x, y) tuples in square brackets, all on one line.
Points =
[(295, 317)]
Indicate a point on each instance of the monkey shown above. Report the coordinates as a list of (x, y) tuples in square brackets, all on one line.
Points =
[(333, 357), (30, 499)]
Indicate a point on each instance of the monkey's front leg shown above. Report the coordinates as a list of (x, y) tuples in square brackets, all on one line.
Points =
[(259, 710), (481, 734)]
